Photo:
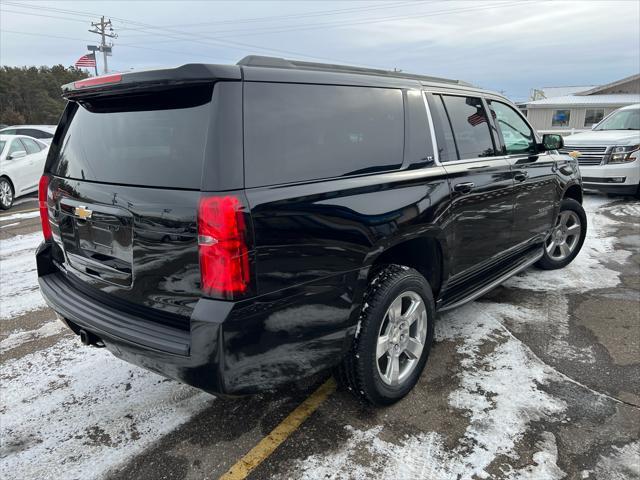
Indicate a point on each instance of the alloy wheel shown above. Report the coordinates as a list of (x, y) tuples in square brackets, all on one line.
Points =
[(401, 338), (565, 236), (6, 195)]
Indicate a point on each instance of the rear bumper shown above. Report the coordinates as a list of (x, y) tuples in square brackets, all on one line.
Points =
[(230, 348)]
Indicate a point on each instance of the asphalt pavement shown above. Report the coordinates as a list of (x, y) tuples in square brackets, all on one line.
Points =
[(539, 379)]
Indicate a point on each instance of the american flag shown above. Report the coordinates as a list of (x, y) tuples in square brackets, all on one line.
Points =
[(476, 119), (88, 60)]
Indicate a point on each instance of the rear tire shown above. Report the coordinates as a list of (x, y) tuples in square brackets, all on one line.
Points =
[(6, 193), (395, 335), (567, 236)]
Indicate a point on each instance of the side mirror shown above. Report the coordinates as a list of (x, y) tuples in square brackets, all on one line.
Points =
[(551, 141), (17, 154)]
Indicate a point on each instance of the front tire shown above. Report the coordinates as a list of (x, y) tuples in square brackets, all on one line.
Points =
[(567, 236), (6, 194), (394, 339)]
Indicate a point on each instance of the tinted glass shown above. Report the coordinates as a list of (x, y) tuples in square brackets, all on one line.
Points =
[(470, 127), (305, 132), (154, 139), (2, 144), (446, 142), (516, 134)]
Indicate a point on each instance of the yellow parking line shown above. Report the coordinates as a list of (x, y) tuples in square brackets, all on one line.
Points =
[(268, 444)]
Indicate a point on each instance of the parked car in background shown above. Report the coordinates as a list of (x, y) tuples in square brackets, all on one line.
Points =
[(237, 227), (609, 155), (44, 133), (22, 161)]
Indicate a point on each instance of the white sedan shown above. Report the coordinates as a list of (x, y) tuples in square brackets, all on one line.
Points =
[(43, 133), (22, 161)]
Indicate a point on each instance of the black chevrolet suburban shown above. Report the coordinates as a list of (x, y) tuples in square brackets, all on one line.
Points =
[(239, 227)]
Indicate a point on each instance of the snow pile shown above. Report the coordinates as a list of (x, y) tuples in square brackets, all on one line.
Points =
[(74, 412), (19, 291)]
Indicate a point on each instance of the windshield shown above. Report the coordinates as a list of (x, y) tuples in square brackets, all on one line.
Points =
[(622, 120)]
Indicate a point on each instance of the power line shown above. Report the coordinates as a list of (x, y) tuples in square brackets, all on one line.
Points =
[(296, 16), (331, 25), (176, 52)]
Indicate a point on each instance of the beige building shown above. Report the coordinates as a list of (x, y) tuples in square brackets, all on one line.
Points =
[(573, 109)]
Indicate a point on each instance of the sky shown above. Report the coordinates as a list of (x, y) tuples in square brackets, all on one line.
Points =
[(504, 45)]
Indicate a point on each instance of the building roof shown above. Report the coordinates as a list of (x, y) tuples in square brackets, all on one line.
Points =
[(599, 88), (550, 92), (612, 99)]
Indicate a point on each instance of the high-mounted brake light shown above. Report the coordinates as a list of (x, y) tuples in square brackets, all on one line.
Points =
[(43, 189), (222, 243), (103, 80)]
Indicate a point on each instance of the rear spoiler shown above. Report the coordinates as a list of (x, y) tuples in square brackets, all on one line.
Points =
[(149, 79)]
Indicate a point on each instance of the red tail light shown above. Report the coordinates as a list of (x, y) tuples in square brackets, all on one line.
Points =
[(222, 241), (43, 189)]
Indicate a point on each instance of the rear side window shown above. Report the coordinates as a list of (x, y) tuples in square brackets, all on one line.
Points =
[(32, 132), (468, 120), (154, 139), (299, 132), (30, 146)]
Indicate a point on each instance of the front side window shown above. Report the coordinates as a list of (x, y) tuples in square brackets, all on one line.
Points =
[(297, 132), (2, 144), (561, 118), (593, 115), (517, 135), (30, 145), (468, 120)]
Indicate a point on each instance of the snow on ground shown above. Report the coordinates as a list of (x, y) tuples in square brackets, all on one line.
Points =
[(69, 411), (73, 412), (500, 392), (19, 216), (19, 291), (586, 272)]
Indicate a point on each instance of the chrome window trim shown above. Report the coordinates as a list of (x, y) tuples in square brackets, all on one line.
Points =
[(432, 131)]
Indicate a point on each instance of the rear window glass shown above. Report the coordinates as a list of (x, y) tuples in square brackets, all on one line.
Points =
[(154, 139), (299, 132)]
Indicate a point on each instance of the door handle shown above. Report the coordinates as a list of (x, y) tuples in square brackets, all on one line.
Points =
[(521, 176), (464, 187)]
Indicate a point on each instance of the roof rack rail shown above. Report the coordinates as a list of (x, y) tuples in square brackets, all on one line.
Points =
[(277, 62)]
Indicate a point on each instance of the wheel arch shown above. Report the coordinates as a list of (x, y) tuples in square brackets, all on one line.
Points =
[(424, 251), (573, 191)]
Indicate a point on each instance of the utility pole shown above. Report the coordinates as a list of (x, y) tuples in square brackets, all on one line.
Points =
[(101, 29)]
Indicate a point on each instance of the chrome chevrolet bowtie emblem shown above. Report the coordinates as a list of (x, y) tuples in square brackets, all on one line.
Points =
[(82, 212)]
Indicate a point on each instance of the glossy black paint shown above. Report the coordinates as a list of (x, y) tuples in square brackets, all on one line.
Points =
[(312, 244)]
